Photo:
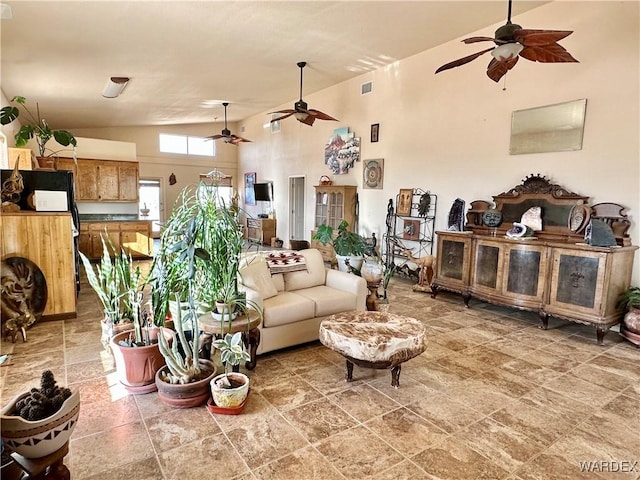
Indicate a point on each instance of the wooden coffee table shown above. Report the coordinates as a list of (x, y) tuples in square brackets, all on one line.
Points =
[(247, 324)]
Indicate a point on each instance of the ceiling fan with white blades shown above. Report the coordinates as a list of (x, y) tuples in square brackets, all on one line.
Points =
[(226, 135), (512, 41), (301, 110)]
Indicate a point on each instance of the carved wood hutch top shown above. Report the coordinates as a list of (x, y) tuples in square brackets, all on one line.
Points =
[(565, 214)]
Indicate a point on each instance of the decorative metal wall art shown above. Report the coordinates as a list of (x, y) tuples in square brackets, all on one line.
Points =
[(342, 151)]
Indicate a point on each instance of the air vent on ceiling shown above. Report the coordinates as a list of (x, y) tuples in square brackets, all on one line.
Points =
[(366, 88)]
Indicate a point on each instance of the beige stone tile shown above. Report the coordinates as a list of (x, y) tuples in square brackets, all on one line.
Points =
[(406, 431), (268, 371), (330, 379), (510, 346), (598, 376), (410, 389), (359, 453), (319, 419), (487, 355), (96, 417), (534, 337), (576, 351), (582, 390), (265, 439), (289, 393), (532, 372), (202, 459), (79, 372), (454, 459), (504, 445), (255, 409), (533, 422), (27, 363), (479, 396), (364, 402), (147, 469), (300, 360), (305, 463), (545, 358), (547, 466), (405, 470), (624, 351), (104, 451), (625, 406), (179, 427), (444, 412), (615, 365), (557, 405)]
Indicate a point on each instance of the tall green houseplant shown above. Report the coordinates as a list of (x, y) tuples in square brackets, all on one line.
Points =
[(197, 262), (34, 126)]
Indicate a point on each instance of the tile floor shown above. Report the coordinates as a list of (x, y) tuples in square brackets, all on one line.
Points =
[(492, 397)]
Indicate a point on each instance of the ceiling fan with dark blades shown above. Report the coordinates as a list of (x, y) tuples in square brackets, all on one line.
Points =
[(512, 41), (226, 135), (301, 110)]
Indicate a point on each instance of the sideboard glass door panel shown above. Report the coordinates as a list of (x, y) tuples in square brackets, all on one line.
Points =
[(525, 268)]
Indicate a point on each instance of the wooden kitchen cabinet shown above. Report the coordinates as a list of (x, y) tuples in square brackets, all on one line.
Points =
[(46, 239), (108, 185), (103, 180), (134, 237)]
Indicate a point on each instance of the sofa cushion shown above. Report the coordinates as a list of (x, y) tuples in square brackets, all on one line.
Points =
[(256, 276), (278, 281), (287, 307), (314, 275), (329, 300)]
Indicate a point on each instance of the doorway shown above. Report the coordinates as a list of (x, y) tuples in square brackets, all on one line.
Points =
[(150, 193), (296, 210)]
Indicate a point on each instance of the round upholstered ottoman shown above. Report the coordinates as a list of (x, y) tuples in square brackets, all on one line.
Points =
[(374, 340)]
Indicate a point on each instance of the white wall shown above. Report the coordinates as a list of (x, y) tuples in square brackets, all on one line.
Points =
[(449, 133)]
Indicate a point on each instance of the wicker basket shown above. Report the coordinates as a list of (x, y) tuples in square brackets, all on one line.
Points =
[(325, 181)]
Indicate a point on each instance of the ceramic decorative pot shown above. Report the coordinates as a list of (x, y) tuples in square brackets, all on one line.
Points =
[(35, 439), (354, 262), (632, 320), (110, 329), (137, 366), (230, 397), (190, 394)]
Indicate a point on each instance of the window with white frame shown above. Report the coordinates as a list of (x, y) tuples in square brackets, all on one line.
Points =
[(187, 145)]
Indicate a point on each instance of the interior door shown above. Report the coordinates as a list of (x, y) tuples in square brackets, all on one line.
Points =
[(296, 208)]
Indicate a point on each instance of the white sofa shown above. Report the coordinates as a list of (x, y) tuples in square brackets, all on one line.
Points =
[(294, 303)]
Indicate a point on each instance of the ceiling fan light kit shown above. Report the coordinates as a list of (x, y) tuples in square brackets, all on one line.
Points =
[(512, 42), (115, 86), (226, 135), (301, 110)]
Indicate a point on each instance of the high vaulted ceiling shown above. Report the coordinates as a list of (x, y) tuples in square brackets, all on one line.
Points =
[(180, 54)]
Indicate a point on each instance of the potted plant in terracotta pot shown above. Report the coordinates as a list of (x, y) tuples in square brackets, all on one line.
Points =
[(230, 389), (129, 332), (34, 126), (39, 422), (629, 301), (349, 246), (111, 280)]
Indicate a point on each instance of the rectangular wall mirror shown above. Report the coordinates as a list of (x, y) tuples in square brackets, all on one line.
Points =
[(552, 128)]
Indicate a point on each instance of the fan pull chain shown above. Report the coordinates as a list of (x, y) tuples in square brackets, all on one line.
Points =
[(504, 85)]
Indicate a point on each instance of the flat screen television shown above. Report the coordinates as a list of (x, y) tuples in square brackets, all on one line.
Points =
[(263, 191)]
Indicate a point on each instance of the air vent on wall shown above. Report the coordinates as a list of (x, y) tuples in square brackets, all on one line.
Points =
[(366, 88)]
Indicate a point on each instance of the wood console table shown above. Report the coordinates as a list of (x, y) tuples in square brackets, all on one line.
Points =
[(260, 230), (552, 274)]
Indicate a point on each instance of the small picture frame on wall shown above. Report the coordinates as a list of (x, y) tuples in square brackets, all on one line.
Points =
[(249, 193), (375, 132), (405, 198)]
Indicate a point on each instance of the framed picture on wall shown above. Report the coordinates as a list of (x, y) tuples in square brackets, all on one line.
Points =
[(404, 201), (249, 193)]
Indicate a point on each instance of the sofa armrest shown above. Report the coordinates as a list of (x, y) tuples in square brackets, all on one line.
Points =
[(351, 283)]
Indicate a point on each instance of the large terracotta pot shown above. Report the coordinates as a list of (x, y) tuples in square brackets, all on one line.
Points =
[(35, 439), (137, 366), (190, 394)]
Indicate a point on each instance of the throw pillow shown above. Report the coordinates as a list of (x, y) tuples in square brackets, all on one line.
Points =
[(257, 277)]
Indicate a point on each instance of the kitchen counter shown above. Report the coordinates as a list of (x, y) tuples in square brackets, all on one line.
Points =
[(112, 217)]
